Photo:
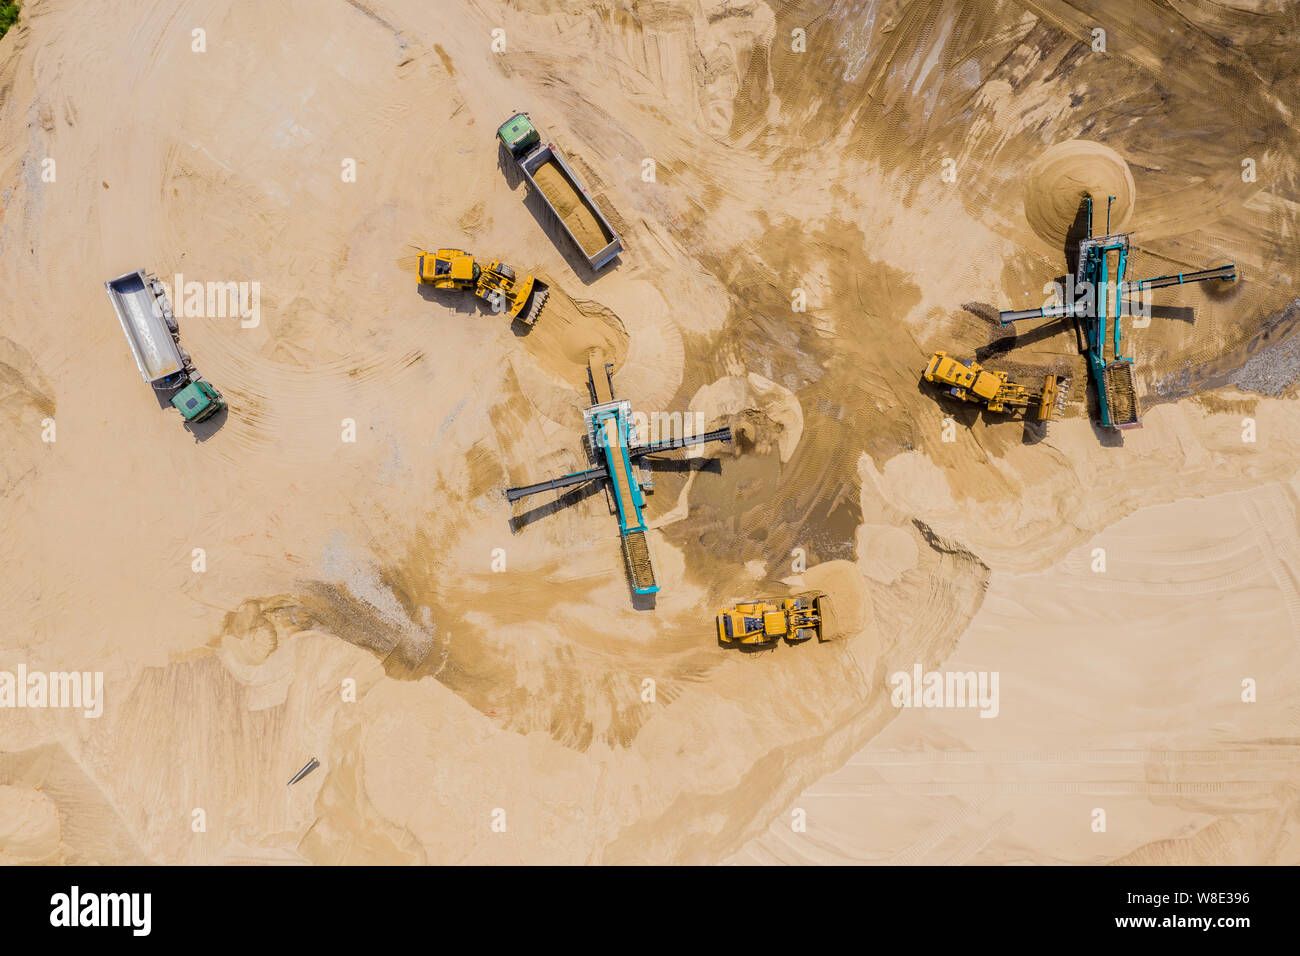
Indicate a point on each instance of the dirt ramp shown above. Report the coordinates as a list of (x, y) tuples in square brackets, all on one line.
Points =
[(1059, 179)]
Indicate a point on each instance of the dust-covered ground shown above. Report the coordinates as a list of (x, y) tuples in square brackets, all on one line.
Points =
[(813, 197)]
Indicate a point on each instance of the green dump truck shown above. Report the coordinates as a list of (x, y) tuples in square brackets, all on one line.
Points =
[(140, 302), (550, 177)]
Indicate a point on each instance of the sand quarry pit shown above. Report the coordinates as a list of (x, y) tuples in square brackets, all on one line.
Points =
[(333, 569)]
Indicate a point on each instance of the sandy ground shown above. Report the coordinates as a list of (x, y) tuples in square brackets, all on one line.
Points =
[(1184, 770), (502, 711)]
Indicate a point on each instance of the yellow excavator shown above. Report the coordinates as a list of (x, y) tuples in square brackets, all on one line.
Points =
[(495, 283), (763, 623), (971, 382)]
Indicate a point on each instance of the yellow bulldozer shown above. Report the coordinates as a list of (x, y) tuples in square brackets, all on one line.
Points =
[(971, 382), (763, 623), (495, 283)]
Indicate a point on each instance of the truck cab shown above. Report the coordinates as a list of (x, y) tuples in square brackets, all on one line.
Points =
[(198, 401), (518, 134)]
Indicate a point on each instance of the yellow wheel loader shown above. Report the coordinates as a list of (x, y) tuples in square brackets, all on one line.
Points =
[(971, 382), (763, 623), (495, 283)]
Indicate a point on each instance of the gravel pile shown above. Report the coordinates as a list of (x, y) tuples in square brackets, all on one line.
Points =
[(1275, 367)]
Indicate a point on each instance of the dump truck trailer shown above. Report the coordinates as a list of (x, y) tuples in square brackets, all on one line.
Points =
[(550, 176), (140, 302)]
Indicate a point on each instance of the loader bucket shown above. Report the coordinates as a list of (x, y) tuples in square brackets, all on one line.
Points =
[(1047, 404), (530, 299), (820, 606), (810, 620)]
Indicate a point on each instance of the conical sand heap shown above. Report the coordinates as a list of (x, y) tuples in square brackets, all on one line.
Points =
[(1062, 176)]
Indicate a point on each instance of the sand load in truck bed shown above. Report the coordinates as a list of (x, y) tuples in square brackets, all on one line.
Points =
[(1121, 394), (571, 206), (636, 551)]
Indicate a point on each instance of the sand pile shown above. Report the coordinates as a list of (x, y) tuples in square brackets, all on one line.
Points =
[(887, 552), (570, 329), (1057, 181), (762, 414), (847, 601)]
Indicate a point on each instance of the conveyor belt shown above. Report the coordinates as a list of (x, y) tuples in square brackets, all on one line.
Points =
[(1228, 272), (1121, 394), (577, 478), (1007, 316), (620, 474), (721, 434), (601, 388)]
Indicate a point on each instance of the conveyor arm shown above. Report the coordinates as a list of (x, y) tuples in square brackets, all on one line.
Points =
[(1046, 312), (581, 477), (1228, 272), (721, 434), (576, 478)]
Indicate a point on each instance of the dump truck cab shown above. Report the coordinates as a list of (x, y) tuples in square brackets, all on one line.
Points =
[(198, 401), (518, 134)]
